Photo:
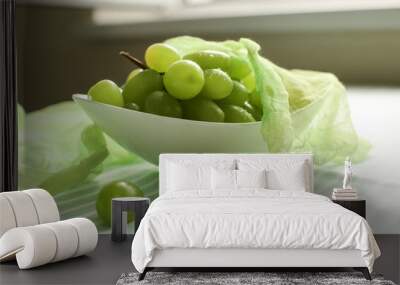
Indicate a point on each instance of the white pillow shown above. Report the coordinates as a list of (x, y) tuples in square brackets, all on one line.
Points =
[(188, 177), (223, 179), (187, 174), (251, 178), (282, 174)]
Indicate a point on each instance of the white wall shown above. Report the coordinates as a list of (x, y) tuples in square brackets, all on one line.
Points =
[(376, 116)]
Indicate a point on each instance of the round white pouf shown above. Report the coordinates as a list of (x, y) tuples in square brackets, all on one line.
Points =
[(7, 218), (87, 233), (67, 240), (46, 207), (32, 246), (23, 208), (40, 244)]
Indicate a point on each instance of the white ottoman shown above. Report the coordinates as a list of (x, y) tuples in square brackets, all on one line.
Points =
[(26, 208), (37, 245), (31, 232)]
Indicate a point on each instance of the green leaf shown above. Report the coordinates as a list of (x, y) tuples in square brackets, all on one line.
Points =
[(67, 178), (277, 128), (303, 111), (51, 144)]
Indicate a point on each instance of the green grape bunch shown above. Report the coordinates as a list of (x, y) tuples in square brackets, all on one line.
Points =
[(205, 85)]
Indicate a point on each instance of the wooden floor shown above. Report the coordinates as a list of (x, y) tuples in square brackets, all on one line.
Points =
[(110, 260)]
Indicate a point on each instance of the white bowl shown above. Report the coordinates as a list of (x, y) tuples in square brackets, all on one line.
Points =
[(149, 135)]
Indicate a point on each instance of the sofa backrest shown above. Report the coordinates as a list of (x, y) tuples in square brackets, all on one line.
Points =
[(205, 159)]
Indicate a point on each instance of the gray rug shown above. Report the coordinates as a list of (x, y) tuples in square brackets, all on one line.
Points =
[(243, 278)]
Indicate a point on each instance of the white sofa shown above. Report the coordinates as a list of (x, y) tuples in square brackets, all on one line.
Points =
[(31, 231)]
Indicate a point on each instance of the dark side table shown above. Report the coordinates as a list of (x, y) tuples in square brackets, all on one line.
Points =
[(120, 208), (357, 206)]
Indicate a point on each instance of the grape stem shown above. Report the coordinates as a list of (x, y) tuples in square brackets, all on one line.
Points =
[(133, 59)]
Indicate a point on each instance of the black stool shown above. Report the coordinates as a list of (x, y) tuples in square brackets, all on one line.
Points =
[(120, 207)]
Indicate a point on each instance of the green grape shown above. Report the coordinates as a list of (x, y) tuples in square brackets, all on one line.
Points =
[(141, 85), (93, 139), (250, 82), (161, 103), (106, 91), (133, 73), (255, 99), (238, 95), (209, 59), (184, 79), (114, 190), (160, 56), (239, 68), (254, 111), (201, 109), (217, 84), (132, 106), (236, 114)]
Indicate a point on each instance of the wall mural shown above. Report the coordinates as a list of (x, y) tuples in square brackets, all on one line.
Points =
[(198, 96)]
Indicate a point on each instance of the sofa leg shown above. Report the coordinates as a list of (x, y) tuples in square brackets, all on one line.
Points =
[(364, 271), (143, 274)]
